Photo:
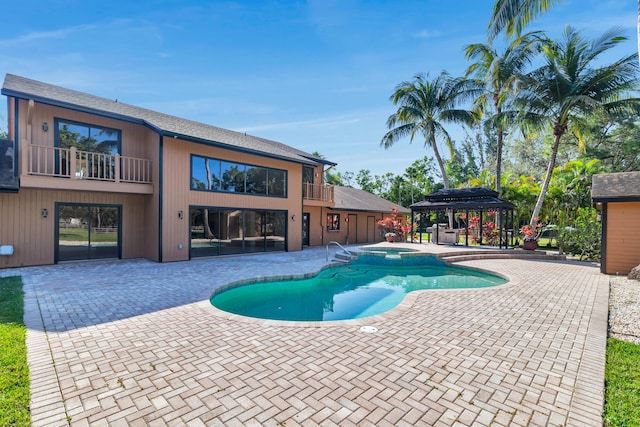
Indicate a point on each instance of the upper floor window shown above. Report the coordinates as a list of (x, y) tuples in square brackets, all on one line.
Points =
[(85, 137), (307, 174), (221, 175)]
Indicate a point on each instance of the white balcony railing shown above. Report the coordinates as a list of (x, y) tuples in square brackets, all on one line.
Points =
[(321, 192), (75, 164)]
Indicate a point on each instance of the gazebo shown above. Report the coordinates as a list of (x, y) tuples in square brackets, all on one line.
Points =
[(465, 200)]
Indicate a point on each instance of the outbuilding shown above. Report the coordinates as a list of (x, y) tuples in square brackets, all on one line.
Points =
[(617, 197)]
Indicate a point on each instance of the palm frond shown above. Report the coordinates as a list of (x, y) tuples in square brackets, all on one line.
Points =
[(512, 16)]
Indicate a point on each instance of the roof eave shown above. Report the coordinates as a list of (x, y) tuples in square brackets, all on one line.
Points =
[(76, 107), (604, 199)]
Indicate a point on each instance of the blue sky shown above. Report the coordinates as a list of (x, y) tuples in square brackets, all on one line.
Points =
[(316, 75)]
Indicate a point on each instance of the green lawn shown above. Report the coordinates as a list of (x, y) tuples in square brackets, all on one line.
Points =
[(81, 235), (622, 384), (14, 372)]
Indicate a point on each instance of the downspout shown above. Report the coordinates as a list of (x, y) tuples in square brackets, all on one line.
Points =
[(321, 225), (603, 240), (160, 172)]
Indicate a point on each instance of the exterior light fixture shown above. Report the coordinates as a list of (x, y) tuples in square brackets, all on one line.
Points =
[(45, 126), (45, 213), (180, 214), (293, 217)]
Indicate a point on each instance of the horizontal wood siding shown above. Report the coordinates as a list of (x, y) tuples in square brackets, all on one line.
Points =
[(22, 224), (177, 195), (623, 237)]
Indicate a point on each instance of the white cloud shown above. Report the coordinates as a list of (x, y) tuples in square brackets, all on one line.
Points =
[(324, 122), (42, 35), (427, 34)]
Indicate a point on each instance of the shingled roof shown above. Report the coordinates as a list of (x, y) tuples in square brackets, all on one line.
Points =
[(21, 87), (354, 199), (616, 187)]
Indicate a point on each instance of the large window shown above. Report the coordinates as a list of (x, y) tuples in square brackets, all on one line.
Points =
[(220, 175), (96, 148), (217, 231)]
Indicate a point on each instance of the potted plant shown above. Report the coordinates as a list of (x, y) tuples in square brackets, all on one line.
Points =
[(394, 227), (530, 234)]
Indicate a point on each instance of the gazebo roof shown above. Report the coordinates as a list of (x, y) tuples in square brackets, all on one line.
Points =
[(462, 198)]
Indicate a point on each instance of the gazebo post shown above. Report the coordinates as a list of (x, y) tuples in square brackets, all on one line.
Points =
[(481, 211), (412, 226), (466, 228), (513, 230), (501, 228)]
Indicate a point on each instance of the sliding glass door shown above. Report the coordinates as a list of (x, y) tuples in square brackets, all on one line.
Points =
[(216, 231), (87, 231)]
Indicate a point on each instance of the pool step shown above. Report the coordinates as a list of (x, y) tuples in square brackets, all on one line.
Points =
[(512, 254), (344, 257)]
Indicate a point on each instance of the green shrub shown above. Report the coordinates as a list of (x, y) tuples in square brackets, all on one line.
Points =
[(582, 235)]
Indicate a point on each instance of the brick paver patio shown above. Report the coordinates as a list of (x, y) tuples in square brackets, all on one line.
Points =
[(137, 343)]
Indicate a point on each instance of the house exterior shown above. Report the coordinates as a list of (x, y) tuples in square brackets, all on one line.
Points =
[(352, 218), (84, 177), (617, 196)]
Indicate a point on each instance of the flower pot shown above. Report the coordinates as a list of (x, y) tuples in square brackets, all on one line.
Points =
[(390, 239), (529, 245)]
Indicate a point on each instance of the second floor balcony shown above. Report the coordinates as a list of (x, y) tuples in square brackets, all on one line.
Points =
[(86, 170), (322, 193)]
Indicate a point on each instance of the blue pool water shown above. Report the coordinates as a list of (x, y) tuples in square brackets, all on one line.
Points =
[(370, 285)]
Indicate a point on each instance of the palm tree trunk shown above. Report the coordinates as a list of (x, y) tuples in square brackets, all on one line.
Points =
[(443, 171), (547, 179), (499, 167), (441, 163), (499, 154)]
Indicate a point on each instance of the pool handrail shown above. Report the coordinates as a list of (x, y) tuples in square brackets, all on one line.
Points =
[(340, 246)]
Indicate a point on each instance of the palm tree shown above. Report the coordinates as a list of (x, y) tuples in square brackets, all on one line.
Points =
[(424, 106), (499, 74), (566, 89), (513, 16)]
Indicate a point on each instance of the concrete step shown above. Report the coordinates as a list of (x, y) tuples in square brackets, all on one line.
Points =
[(341, 256), (502, 255)]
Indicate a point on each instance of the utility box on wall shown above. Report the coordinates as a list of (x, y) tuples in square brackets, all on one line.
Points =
[(6, 250)]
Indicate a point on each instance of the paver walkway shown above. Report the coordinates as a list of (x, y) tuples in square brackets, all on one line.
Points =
[(136, 343)]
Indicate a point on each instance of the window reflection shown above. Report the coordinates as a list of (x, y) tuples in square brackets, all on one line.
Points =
[(235, 231), (219, 175), (333, 222)]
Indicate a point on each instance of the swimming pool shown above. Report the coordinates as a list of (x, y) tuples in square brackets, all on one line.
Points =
[(370, 285)]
